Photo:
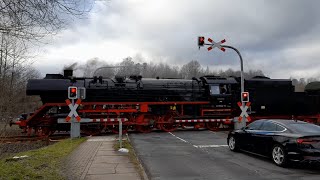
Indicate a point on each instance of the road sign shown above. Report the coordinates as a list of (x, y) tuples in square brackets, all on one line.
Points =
[(244, 111), (73, 108), (218, 44)]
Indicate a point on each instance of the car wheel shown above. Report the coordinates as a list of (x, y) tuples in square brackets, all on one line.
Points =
[(279, 155), (232, 143)]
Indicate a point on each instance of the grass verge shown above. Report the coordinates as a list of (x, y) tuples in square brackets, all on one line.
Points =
[(43, 163), (132, 156)]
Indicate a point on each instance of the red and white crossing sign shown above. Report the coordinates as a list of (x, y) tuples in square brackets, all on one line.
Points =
[(218, 44), (73, 109), (244, 111)]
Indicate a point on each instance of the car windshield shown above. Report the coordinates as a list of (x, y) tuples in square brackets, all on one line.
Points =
[(304, 128)]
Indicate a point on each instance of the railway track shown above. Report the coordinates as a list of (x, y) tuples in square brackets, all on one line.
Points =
[(17, 139)]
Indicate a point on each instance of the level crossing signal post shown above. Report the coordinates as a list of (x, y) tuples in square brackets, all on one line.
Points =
[(79, 93), (74, 93), (212, 44)]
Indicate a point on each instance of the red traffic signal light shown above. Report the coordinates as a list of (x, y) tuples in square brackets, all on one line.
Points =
[(245, 96), (72, 92), (200, 41)]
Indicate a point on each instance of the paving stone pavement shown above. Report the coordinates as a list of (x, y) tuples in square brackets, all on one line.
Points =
[(96, 159)]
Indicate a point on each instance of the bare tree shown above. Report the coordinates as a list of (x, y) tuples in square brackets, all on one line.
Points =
[(127, 67), (150, 70), (247, 74), (34, 19), (191, 69), (162, 70), (22, 22), (15, 70)]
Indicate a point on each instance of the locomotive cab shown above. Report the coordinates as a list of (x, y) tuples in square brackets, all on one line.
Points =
[(220, 95), (219, 90)]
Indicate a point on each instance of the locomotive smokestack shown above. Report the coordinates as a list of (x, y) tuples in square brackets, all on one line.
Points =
[(67, 73), (68, 70)]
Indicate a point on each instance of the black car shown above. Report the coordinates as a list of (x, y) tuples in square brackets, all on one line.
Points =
[(282, 140)]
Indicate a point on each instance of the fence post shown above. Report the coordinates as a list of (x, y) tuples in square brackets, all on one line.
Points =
[(120, 133)]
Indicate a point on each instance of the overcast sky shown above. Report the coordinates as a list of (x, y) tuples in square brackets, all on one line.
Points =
[(279, 37)]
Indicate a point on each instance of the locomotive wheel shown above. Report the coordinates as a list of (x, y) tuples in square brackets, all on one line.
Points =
[(145, 122), (169, 127), (199, 126), (213, 126), (168, 124), (49, 132), (144, 128), (158, 126), (44, 131), (91, 130)]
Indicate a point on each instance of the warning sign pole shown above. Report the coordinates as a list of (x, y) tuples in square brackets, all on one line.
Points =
[(74, 118), (244, 120), (74, 93), (75, 126), (219, 45), (120, 133)]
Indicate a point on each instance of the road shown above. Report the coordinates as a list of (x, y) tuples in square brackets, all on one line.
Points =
[(204, 154)]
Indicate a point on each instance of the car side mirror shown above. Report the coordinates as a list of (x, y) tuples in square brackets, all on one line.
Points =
[(243, 128)]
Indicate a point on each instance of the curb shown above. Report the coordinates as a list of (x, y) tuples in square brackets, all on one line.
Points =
[(144, 172)]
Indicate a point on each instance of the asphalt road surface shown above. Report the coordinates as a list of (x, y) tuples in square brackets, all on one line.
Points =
[(192, 154)]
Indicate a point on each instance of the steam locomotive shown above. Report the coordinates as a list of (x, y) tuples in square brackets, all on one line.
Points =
[(167, 104)]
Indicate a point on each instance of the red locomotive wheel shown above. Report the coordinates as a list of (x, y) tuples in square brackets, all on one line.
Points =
[(213, 126), (169, 127), (168, 124), (145, 122), (44, 131), (144, 129), (199, 126), (158, 126), (91, 130)]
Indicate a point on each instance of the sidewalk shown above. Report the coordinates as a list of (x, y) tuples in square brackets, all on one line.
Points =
[(97, 159)]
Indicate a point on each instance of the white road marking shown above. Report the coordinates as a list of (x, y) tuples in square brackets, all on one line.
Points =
[(179, 138), (209, 146), (199, 146)]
